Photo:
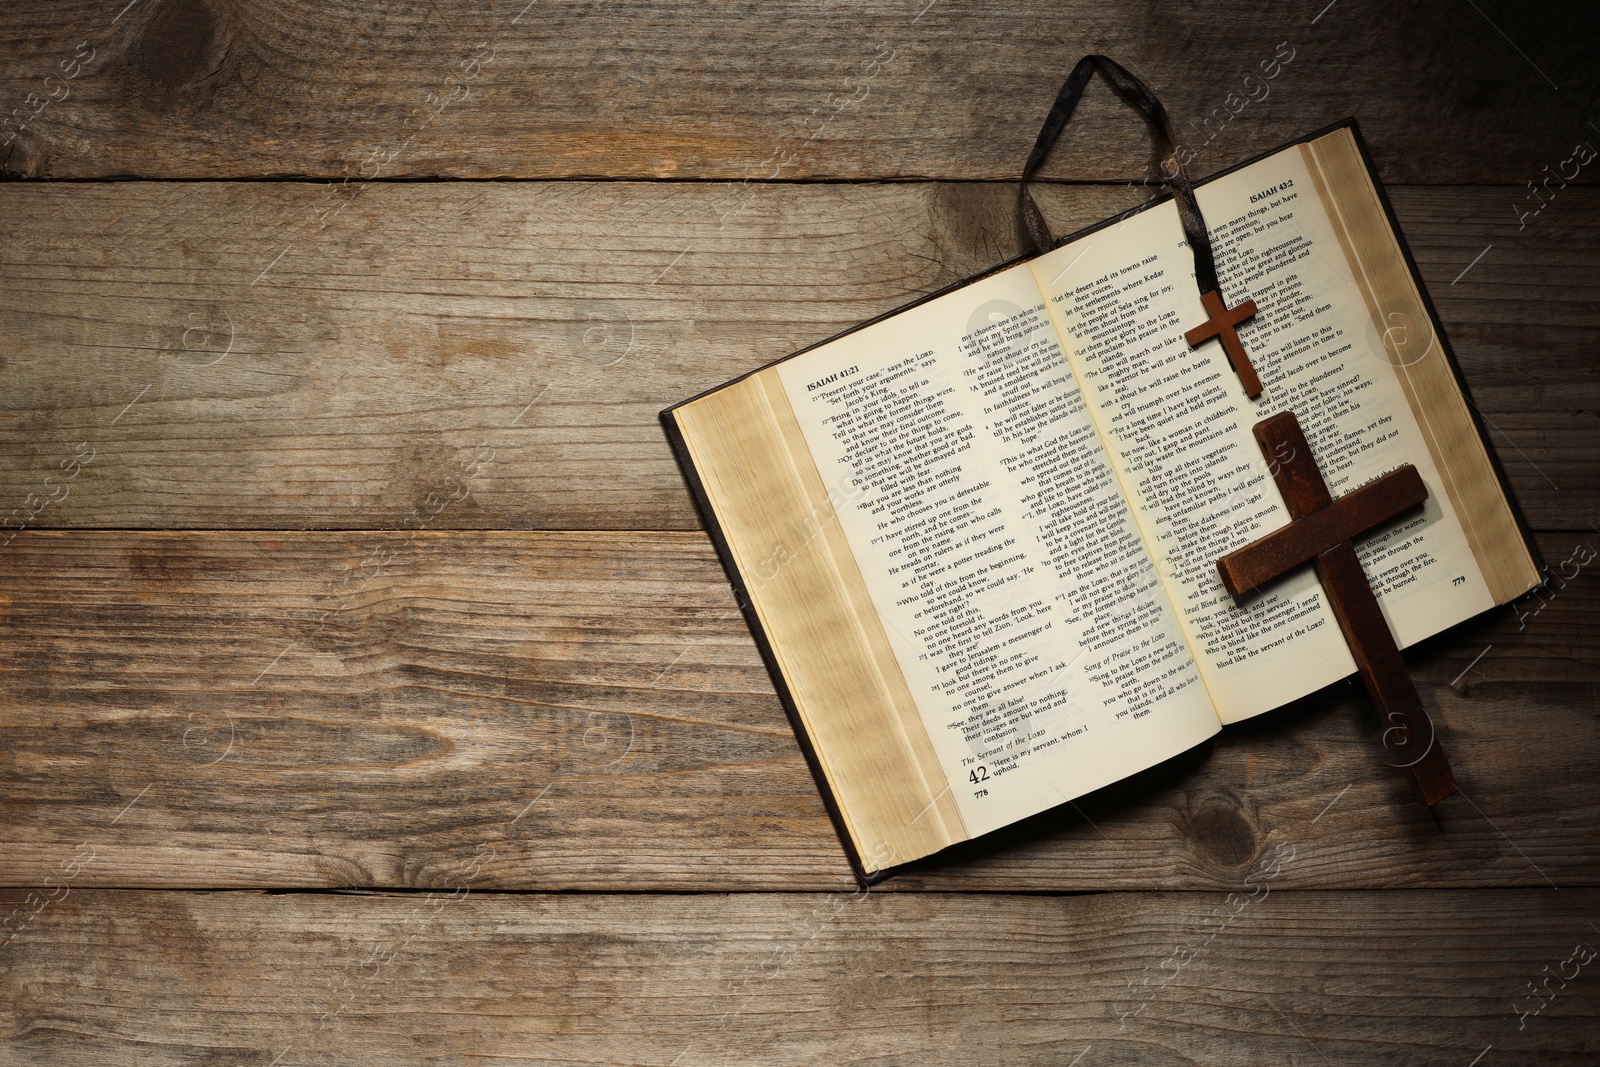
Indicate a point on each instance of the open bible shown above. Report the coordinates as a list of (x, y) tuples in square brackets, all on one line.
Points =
[(977, 538)]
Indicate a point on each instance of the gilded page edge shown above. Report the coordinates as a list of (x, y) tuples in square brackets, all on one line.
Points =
[(1429, 384), (820, 624)]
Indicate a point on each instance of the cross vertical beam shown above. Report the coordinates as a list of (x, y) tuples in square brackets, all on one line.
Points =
[(1321, 533)]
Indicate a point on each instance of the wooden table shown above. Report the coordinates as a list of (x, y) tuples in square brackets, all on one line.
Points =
[(370, 695)]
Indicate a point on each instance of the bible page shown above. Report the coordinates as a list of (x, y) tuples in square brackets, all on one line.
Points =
[(1177, 424), (1041, 649)]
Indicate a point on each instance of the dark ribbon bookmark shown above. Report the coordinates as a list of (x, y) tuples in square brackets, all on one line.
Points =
[(1223, 319)]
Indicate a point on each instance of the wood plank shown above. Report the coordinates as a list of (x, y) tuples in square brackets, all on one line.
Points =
[(1414, 978), (890, 88), (289, 355), (592, 709)]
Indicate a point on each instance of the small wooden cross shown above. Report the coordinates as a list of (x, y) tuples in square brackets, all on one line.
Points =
[(1222, 325), (1320, 534)]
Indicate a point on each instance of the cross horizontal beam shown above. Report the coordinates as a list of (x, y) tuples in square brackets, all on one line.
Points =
[(1305, 538)]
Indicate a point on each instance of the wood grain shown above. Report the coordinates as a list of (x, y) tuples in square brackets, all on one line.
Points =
[(348, 709), (290, 356), (1414, 978), (422, 706), (886, 89)]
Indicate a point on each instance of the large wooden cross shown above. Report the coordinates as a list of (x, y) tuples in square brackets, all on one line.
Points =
[(1320, 534), (1223, 325)]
